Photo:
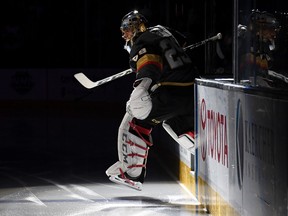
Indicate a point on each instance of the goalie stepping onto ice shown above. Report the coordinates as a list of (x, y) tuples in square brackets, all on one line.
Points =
[(163, 94), (133, 147)]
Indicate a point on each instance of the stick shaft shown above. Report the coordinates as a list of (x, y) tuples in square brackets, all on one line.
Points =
[(87, 83), (216, 37)]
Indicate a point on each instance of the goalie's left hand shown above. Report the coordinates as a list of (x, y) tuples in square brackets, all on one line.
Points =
[(140, 104)]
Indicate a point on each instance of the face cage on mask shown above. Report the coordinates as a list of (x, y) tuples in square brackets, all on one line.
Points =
[(129, 42), (136, 30)]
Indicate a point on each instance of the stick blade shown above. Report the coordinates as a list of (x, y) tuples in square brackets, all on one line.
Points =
[(84, 80)]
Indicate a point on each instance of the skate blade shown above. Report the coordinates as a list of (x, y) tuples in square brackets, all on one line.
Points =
[(130, 183)]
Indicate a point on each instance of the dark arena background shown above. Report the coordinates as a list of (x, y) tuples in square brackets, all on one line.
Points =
[(45, 111), (57, 138)]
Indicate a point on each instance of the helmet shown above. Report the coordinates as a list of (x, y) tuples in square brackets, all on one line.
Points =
[(133, 21), (132, 24), (264, 20)]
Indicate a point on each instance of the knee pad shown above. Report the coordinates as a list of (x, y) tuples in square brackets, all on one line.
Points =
[(140, 104)]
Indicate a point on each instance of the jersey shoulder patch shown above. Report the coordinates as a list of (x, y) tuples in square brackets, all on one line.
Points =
[(141, 52), (135, 58)]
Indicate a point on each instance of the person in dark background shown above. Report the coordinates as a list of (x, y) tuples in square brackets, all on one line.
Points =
[(258, 49), (163, 93)]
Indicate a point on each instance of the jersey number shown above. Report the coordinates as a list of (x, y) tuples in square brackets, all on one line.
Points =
[(173, 54)]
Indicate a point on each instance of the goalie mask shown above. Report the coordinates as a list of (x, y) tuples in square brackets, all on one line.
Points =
[(132, 25)]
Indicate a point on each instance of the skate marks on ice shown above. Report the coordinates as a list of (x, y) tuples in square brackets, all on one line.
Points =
[(53, 193)]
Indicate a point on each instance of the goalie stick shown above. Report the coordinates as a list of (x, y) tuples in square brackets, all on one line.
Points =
[(87, 83), (278, 75), (192, 46)]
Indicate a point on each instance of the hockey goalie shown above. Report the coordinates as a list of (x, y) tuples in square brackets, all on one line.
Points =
[(163, 94)]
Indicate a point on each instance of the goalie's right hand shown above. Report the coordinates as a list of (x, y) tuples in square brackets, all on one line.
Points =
[(140, 104)]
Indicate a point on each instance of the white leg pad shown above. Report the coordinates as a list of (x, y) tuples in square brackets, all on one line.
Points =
[(184, 140), (132, 152), (114, 170)]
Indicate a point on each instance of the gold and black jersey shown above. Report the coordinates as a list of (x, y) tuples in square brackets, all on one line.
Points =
[(156, 54)]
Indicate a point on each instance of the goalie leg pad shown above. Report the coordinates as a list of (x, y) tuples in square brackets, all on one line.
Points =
[(132, 151), (186, 140)]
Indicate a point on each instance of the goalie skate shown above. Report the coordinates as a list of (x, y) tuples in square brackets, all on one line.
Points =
[(126, 182)]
